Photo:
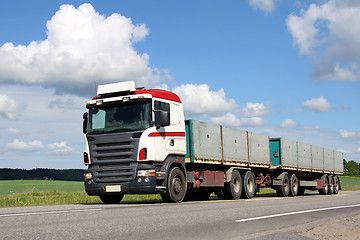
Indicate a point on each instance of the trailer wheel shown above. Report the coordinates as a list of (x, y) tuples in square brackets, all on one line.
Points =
[(336, 185), (232, 189), (325, 189), (331, 185), (176, 186), (284, 189), (249, 188), (111, 199), (294, 185)]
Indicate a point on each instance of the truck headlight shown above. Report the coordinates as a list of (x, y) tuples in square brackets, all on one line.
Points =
[(146, 173)]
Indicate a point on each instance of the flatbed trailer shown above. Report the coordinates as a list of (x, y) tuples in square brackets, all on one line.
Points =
[(285, 165)]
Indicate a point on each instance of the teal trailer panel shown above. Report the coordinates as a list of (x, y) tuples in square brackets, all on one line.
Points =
[(275, 152), (189, 140)]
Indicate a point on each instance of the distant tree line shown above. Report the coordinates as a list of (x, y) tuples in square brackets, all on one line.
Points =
[(351, 168), (42, 174)]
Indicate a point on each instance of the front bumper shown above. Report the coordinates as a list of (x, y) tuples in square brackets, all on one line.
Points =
[(141, 185)]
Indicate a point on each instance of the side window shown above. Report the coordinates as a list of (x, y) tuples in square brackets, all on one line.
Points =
[(161, 107)]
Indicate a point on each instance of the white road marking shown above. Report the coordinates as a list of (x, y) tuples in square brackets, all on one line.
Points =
[(293, 213), (49, 212)]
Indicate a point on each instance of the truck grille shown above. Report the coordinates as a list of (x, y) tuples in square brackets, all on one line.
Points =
[(113, 157)]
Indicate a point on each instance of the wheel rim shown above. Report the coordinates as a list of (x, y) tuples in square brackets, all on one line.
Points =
[(250, 185), (286, 185), (177, 185), (295, 185), (336, 184), (331, 185), (236, 185), (326, 185)]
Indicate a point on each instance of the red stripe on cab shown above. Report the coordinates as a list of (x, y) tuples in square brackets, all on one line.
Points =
[(167, 134)]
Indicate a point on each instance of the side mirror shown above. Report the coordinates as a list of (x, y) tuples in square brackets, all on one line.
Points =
[(162, 118), (85, 120)]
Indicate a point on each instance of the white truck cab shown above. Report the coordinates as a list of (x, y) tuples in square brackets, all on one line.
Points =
[(132, 137)]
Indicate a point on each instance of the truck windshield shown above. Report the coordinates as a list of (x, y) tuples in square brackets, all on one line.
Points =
[(122, 117)]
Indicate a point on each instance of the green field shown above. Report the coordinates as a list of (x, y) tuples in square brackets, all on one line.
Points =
[(20, 186), (349, 183), (38, 192)]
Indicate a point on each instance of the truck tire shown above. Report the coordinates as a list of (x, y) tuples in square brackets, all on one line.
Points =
[(111, 199), (294, 185), (336, 185), (284, 189), (233, 189), (176, 186), (331, 185), (249, 186), (325, 189)]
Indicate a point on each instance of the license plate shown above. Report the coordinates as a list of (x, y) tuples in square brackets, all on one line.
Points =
[(113, 188)]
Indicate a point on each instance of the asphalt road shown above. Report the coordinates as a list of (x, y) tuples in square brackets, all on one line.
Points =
[(264, 217)]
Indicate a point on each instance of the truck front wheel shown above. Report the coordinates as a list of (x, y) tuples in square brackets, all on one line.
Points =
[(176, 186)]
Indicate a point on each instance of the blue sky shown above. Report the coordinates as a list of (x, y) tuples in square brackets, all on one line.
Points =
[(276, 67)]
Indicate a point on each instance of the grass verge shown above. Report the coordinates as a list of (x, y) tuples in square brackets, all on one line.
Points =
[(35, 193), (56, 198)]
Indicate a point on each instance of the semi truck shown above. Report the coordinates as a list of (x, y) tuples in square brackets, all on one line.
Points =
[(137, 141)]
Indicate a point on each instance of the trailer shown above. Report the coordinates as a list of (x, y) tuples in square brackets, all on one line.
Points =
[(138, 142)]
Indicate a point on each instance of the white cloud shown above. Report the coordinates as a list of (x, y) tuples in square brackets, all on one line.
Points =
[(8, 107), (25, 146), (255, 110), (83, 48), (59, 148), (263, 5), (318, 104), (199, 100), (13, 131), (325, 32), (253, 122), (230, 119), (348, 134), (289, 123)]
